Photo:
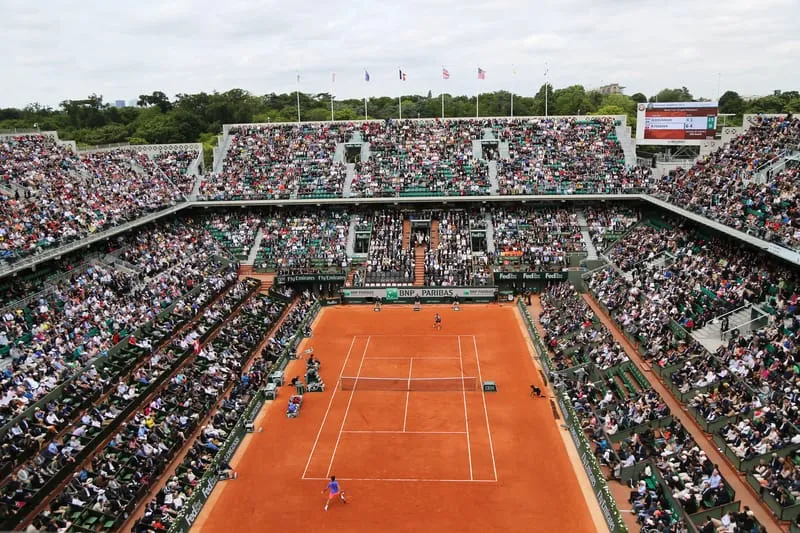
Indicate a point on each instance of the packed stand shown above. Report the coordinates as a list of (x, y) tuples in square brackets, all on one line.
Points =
[(279, 161), (388, 260), (607, 224), (751, 379), (449, 262), (303, 242), (421, 158), (290, 331), (63, 452), (730, 398), (542, 239), (162, 511), (722, 186), (573, 332), (84, 317), (69, 196), (705, 278), (175, 165), (693, 480), (236, 231), (565, 156)]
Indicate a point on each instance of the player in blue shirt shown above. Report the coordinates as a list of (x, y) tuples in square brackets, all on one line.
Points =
[(333, 491)]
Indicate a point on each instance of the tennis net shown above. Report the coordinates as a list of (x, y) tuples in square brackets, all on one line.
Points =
[(409, 384)]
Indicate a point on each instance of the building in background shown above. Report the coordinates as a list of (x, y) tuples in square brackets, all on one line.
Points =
[(611, 88)]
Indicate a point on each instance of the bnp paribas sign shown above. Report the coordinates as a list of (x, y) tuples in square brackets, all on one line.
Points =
[(394, 294)]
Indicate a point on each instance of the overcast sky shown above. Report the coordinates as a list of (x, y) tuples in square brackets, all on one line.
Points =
[(63, 49)]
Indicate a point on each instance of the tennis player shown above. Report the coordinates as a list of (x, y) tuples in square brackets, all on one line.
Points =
[(333, 491), (437, 321)]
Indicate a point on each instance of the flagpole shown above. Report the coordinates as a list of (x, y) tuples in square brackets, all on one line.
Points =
[(297, 92), (366, 79), (444, 70), (400, 95), (513, 75), (478, 93), (333, 84), (546, 87)]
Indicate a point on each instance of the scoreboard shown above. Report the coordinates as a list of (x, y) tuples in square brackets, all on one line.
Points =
[(676, 122)]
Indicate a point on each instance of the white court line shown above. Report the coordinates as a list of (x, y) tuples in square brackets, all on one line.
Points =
[(330, 403), (485, 411), (406, 432), (416, 335), (414, 357), (464, 397), (408, 392), (416, 480), (347, 409)]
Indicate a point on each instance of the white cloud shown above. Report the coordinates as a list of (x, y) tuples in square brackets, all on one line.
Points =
[(70, 48)]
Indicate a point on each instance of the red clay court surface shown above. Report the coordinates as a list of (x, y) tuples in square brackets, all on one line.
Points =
[(455, 460)]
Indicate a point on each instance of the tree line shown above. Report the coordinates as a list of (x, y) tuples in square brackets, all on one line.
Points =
[(199, 117)]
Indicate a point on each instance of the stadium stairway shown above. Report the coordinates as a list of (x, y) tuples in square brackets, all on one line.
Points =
[(742, 319), (591, 251), (626, 143), (365, 152), (351, 275), (434, 234), (338, 155), (477, 149), (251, 257), (351, 239), (489, 233), (350, 175), (776, 166), (419, 266), (502, 148), (406, 233), (495, 186), (221, 151)]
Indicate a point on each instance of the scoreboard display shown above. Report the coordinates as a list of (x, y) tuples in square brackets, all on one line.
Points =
[(673, 122)]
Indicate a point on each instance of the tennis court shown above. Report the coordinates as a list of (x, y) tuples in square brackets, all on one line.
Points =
[(407, 398), (405, 426)]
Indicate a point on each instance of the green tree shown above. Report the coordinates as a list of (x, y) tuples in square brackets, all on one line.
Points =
[(158, 99), (610, 110), (626, 103), (572, 101), (673, 95), (639, 98), (159, 129), (731, 102)]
